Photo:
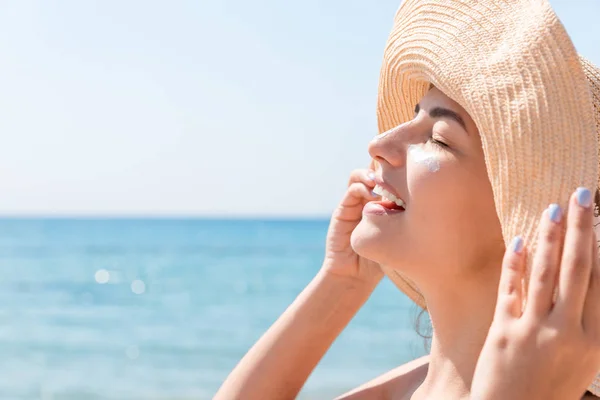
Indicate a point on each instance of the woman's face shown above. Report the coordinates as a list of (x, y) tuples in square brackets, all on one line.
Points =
[(435, 164)]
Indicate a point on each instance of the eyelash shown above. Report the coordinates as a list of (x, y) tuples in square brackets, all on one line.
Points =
[(437, 142)]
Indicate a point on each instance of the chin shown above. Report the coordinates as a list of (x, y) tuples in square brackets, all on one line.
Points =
[(382, 243), (367, 240)]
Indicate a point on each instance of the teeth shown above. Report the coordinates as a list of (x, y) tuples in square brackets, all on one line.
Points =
[(388, 196)]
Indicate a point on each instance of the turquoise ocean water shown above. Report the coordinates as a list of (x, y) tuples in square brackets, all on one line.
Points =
[(164, 308)]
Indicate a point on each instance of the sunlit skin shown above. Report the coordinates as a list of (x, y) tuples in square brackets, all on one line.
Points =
[(449, 232), (447, 239)]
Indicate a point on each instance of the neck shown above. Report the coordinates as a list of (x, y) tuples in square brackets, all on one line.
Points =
[(460, 327)]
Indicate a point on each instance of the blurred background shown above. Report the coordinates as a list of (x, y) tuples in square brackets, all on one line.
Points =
[(167, 171)]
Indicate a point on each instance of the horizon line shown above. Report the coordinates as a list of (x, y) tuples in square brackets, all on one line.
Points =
[(173, 216)]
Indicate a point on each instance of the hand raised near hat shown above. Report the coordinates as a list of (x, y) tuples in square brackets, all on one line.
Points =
[(340, 258), (550, 349)]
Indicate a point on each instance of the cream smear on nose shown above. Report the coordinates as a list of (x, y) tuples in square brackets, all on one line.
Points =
[(427, 158)]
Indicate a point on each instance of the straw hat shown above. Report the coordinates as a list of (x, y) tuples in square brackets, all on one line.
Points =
[(511, 65)]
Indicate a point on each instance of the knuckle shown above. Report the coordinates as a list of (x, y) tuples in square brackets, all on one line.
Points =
[(501, 341), (554, 335), (364, 192), (500, 337), (573, 262), (512, 264), (529, 329), (354, 191), (358, 189), (355, 175), (511, 290), (565, 324), (543, 274), (353, 187), (545, 336), (506, 304), (551, 234)]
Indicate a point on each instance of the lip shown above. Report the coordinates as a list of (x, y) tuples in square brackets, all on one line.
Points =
[(375, 208), (380, 182)]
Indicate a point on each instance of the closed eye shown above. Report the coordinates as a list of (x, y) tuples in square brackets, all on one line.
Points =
[(438, 143)]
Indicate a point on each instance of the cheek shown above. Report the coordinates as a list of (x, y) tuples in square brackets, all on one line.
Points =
[(453, 208), (442, 202), (426, 159), (433, 201), (450, 221)]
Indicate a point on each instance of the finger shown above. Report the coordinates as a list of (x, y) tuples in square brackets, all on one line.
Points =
[(591, 311), (576, 263), (546, 261), (360, 192), (352, 204), (510, 291), (364, 176)]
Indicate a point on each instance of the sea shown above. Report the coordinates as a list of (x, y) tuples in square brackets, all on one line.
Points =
[(164, 308)]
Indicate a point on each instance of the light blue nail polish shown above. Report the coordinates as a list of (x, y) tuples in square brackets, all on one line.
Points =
[(517, 244), (371, 176), (555, 213), (584, 197)]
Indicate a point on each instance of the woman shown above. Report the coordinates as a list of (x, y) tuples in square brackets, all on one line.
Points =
[(479, 179)]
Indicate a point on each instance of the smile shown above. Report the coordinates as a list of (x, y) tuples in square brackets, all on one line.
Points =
[(385, 195)]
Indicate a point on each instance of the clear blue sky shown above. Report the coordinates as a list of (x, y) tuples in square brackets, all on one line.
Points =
[(225, 107)]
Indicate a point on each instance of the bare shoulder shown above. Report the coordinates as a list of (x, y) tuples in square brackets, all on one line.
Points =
[(399, 380)]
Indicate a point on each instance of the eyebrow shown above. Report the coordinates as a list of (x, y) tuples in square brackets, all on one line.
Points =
[(440, 112)]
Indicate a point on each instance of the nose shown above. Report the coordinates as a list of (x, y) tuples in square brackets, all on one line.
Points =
[(390, 146)]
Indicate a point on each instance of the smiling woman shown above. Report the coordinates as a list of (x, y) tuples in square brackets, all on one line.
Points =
[(423, 162), (485, 220)]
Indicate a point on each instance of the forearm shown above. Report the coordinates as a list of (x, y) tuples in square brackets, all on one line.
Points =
[(277, 366)]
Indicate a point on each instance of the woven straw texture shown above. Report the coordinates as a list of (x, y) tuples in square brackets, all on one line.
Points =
[(511, 65)]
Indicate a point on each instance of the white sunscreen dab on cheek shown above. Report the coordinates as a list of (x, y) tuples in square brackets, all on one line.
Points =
[(420, 156)]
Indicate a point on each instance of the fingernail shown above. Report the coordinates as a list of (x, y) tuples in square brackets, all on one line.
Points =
[(584, 197), (374, 194), (517, 244), (371, 176), (555, 213)]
